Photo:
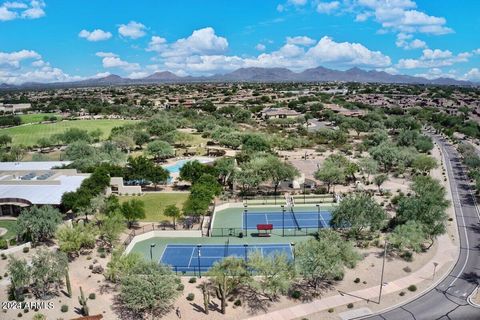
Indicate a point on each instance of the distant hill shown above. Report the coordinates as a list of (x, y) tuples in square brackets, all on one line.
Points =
[(318, 74)]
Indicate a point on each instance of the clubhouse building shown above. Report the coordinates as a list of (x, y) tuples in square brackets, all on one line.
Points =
[(23, 184)]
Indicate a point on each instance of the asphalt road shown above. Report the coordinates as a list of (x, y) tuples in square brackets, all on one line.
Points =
[(448, 300)]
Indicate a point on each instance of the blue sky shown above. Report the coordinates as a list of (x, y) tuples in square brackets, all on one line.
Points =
[(58, 40)]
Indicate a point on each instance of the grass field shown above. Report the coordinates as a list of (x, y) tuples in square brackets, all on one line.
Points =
[(9, 225), (155, 203), (37, 117), (28, 135)]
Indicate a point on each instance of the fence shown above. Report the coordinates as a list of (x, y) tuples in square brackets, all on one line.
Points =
[(144, 229), (299, 199), (240, 232)]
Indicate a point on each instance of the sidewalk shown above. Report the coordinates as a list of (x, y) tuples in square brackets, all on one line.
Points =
[(446, 253)]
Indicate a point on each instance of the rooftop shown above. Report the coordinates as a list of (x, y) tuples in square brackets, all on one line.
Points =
[(37, 182)]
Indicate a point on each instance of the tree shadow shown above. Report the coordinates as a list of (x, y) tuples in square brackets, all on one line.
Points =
[(471, 277), (255, 301), (310, 291)]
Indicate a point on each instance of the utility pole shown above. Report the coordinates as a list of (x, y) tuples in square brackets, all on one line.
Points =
[(383, 269)]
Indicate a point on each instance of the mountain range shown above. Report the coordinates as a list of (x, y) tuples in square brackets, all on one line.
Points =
[(318, 74)]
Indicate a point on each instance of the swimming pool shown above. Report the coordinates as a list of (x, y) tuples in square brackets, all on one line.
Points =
[(174, 169)]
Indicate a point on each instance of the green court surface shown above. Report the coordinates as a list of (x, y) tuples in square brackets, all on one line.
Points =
[(143, 247), (230, 221), (29, 135)]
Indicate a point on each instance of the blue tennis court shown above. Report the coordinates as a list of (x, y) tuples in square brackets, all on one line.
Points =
[(189, 258), (297, 219)]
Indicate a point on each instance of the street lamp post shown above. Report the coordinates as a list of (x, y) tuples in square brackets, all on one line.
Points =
[(435, 264), (245, 214), (383, 269), (246, 248), (152, 245), (292, 244), (283, 220), (319, 223), (198, 259)]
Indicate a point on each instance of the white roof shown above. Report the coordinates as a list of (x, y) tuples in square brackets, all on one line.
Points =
[(43, 194), (31, 165)]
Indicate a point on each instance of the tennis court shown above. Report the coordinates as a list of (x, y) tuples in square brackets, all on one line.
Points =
[(190, 258), (291, 220)]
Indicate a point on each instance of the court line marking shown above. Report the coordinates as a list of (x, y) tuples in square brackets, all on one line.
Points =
[(191, 256)]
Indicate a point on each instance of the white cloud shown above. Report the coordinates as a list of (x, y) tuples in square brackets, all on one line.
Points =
[(435, 73), (327, 7), (11, 10), (347, 53), (101, 75), (105, 54), (13, 59), (138, 75), (203, 53), (473, 75), (301, 40), (14, 70), (6, 14), (15, 5), (392, 15), (200, 42), (280, 8), (35, 11), (157, 44), (133, 30), (260, 47), (298, 2), (434, 59), (407, 42), (112, 60), (95, 35)]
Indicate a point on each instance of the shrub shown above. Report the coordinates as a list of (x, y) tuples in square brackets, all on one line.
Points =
[(98, 269), (237, 303), (412, 288), (407, 269), (4, 257), (357, 280), (407, 256), (192, 280), (180, 287), (25, 249), (19, 315), (190, 297), (350, 305), (103, 255), (402, 293), (92, 296), (295, 294), (64, 308), (331, 310), (13, 242), (3, 244)]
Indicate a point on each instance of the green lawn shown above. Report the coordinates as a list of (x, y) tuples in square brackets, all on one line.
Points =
[(9, 225), (37, 117), (28, 135), (155, 203)]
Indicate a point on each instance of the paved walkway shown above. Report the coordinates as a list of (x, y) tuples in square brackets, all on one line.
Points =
[(446, 253)]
